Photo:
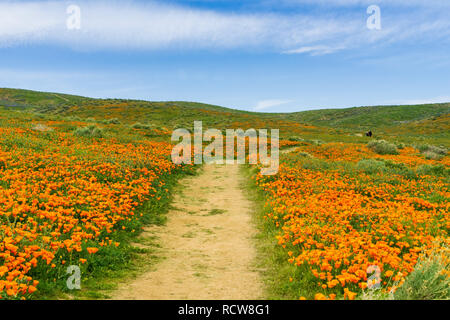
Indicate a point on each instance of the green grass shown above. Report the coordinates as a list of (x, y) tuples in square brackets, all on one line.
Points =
[(383, 147), (215, 212), (271, 257), (367, 118), (427, 281)]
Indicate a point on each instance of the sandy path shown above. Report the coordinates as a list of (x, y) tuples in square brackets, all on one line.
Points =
[(206, 244)]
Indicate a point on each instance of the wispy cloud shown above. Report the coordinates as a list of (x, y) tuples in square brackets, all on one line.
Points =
[(440, 99), (153, 26), (266, 104), (344, 3), (315, 50)]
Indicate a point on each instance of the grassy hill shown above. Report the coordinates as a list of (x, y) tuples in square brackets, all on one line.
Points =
[(403, 122), (372, 117)]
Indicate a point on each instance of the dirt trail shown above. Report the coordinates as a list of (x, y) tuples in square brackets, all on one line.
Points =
[(206, 244)]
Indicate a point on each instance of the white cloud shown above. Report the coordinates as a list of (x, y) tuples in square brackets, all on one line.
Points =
[(342, 3), (154, 26), (266, 104), (440, 99), (315, 50)]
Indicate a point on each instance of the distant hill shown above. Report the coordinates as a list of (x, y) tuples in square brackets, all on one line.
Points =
[(179, 113), (371, 117)]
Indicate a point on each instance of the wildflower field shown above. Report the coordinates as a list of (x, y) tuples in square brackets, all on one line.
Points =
[(81, 177), (70, 200), (348, 218)]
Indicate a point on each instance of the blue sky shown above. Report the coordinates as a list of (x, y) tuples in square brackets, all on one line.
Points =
[(267, 55)]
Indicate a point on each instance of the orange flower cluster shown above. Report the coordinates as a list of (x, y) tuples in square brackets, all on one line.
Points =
[(338, 151), (354, 152), (336, 228), (61, 200)]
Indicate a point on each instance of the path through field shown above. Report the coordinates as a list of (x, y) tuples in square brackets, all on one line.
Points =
[(206, 243)]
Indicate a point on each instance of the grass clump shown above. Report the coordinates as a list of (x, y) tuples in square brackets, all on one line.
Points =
[(428, 281), (296, 138), (433, 170), (304, 154), (112, 121), (139, 125), (91, 131), (371, 166), (383, 147), (438, 150), (432, 152)]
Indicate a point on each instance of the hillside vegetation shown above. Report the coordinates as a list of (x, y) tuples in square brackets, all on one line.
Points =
[(404, 123)]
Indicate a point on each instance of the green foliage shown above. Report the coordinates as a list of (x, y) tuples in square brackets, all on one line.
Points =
[(371, 166), (428, 281), (304, 154), (433, 170), (432, 152), (382, 147), (429, 148), (91, 131), (316, 164), (112, 121), (370, 117), (139, 125), (295, 138)]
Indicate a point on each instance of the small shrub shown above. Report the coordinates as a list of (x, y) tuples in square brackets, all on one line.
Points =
[(430, 155), (400, 145), (90, 131), (432, 152), (112, 121), (316, 164), (428, 280), (371, 166), (139, 125), (431, 170), (42, 128), (295, 138), (74, 118), (304, 154), (433, 149), (383, 147), (399, 168)]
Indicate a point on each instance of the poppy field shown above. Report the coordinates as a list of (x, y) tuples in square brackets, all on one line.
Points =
[(350, 220), (346, 216), (68, 200)]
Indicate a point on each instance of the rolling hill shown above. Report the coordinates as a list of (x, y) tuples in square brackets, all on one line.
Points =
[(410, 121)]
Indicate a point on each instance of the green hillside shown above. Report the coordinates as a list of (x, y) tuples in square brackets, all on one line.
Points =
[(372, 117), (402, 122)]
